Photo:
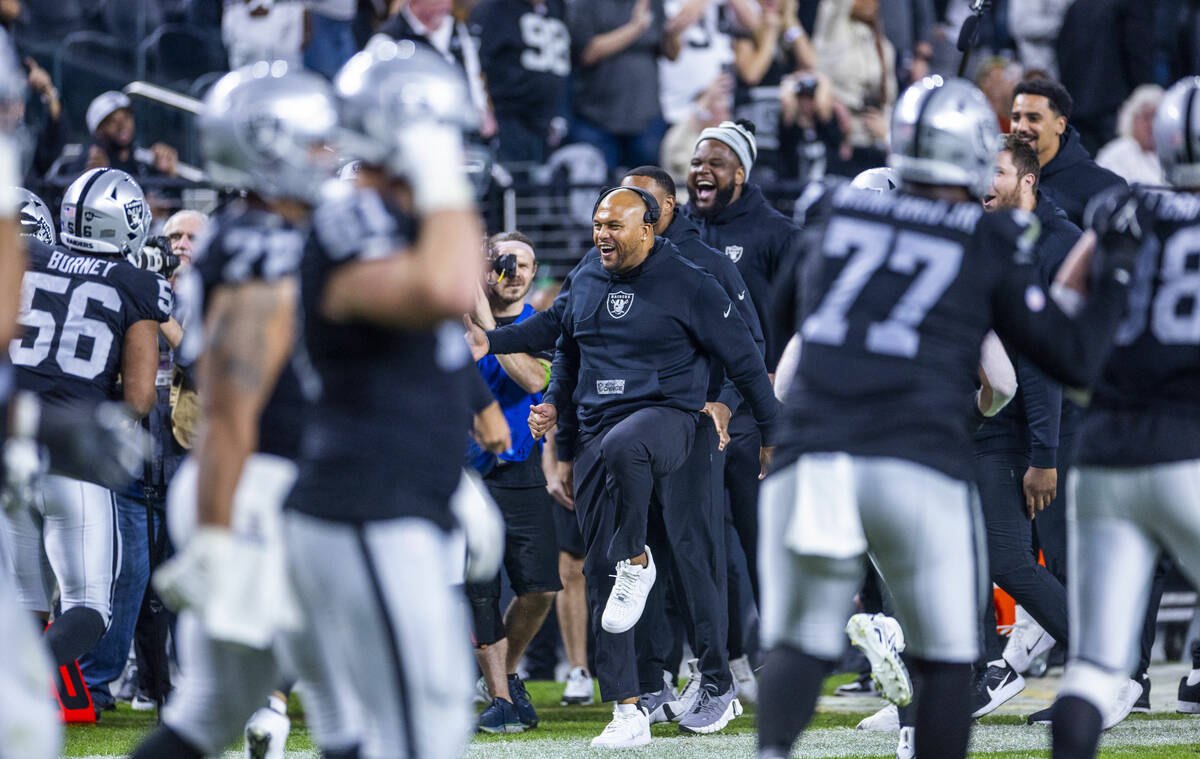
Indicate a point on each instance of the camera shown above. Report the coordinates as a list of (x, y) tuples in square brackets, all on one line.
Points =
[(504, 265), (806, 85), (156, 256)]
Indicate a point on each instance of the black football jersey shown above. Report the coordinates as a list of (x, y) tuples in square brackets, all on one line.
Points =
[(385, 437), (892, 301), (1146, 407), (525, 53), (75, 310), (242, 245)]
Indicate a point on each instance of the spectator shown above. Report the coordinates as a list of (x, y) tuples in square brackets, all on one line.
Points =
[(909, 25), (711, 107), (1132, 154), (331, 42), (810, 135), (43, 118), (525, 56), (1105, 49), (263, 30), (775, 49), (1034, 26), (996, 78), (616, 46), (1070, 178), (183, 230), (430, 22), (858, 59), (705, 29), (113, 128)]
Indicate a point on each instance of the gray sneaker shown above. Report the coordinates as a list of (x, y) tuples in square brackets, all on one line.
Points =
[(711, 711), (662, 706)]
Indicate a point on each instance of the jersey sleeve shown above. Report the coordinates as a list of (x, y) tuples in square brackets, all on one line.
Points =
[(354, 223), (148, 296)]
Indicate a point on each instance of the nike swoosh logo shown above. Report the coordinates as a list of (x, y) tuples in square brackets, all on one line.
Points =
[(742, 295), (727, 310), (1029, 649)]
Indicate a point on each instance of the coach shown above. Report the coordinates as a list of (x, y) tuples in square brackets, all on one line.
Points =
[(638, 330)]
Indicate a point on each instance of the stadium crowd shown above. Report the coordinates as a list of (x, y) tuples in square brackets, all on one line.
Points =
[(284, 326)]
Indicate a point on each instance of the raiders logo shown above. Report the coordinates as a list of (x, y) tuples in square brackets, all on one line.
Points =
[(134, 212), (734, 252), (619, 303)]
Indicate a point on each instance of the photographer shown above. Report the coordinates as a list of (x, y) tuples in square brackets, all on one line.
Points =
[(517, 484)]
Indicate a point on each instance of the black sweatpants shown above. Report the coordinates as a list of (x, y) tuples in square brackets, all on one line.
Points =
[(688, 540), (618, 471)]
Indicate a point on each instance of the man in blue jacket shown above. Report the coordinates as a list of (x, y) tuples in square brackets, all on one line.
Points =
[(640, 328)]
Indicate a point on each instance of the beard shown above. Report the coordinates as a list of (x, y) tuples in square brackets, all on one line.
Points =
[(721, 200)]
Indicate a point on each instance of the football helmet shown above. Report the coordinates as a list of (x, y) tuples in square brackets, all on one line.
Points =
[(104, 212), (881, 179), (269, 127), (391, 84), (1177, 133), (34, 217), (945, 133)]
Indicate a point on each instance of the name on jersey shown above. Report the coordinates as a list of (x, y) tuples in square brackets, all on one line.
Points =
[(68, 264), (909, 208)]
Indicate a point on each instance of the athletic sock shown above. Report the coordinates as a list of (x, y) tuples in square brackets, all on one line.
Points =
[(943, 721), (1075, 727), (788, 687), (165, 743), (73, 634)]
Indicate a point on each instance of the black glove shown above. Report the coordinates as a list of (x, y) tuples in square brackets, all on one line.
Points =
[(102, 443), (156, 256), (1113, 217)]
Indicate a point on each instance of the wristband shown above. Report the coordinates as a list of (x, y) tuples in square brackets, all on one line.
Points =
[(433, 158)]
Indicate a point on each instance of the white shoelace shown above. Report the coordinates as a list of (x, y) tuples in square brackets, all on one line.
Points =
[(626, 582)]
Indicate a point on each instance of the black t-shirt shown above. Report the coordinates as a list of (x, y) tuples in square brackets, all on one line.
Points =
[(525, 54), (385, 438), (75, 310)]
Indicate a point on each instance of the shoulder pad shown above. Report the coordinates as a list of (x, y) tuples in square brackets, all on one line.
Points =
[(811, 197)]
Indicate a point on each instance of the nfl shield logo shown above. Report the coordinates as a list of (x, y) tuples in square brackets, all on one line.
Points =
[(133, 214), (619, 303), (734, 252)]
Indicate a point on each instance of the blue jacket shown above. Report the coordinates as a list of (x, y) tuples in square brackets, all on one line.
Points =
[(1072, 178)]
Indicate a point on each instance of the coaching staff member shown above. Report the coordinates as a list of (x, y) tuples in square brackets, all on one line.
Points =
[(632, 367)]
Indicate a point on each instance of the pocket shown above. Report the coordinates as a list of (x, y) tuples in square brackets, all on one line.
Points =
[(612, 387)]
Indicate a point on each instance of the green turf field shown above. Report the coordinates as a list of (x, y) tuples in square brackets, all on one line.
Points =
[(565, 732)]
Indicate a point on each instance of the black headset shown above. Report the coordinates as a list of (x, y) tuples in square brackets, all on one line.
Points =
[(652, 210)]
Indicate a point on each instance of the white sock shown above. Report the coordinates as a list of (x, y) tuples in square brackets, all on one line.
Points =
[(1193, 677), (277, 704), (626, 708)]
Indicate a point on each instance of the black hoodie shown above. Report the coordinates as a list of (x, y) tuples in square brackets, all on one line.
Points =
[(759, 239), (1072, 178)]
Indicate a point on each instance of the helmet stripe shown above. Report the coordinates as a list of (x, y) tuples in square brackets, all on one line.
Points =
[(924, 106), (1187, 124), (83, 197)]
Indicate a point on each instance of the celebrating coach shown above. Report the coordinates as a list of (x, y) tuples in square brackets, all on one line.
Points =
[(638, 331)]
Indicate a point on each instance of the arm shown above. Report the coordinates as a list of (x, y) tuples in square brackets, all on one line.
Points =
[(12, 268), (172, 333), (608, 44), (250, 332), (752, 57), (564, 375), (537, 333), (690, 13), (1043, 410), (139, 365)]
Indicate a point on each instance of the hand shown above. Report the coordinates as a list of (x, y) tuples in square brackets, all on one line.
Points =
[(476, 339), (720, 414), (641, 16), (97, 158), (166, 158), (541, 418), (764, 460), (491, 429), (104, 444), (561, 484), (189, 578), (1040, 486), (41, 83), (874, 123)]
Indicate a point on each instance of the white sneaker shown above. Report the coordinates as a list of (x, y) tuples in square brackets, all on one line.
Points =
[(887, 718), (630, 727), (579, 688), (744, 682), (881, 639), (628, 596), (1126, 698), (687, 696), (907, 747), (266, 734), (1026, 642)]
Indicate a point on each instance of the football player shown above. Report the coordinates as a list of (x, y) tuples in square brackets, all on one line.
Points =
[(91, 335), (1133, 493), (392, 264), (36, 220), (892, 302), (225, 503)]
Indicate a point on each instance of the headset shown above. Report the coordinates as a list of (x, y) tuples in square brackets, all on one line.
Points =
[(652, 210)]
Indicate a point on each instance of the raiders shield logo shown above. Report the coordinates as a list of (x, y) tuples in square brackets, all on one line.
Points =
[(619, 303), (134, 212), (734, 252)]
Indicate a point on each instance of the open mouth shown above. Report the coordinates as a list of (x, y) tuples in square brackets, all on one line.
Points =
[(606, 249), (989, 200), (706, 190)]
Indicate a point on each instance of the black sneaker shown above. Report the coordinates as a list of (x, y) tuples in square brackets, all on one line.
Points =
[(1143, 703), (499, 717), (995, 685), (520, 699), (1039, 718), (860, 686), (1189, 695)]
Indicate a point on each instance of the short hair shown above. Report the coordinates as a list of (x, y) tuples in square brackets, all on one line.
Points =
[(494, 241), (658, 174), (186, 213), (1055, 93), (1024, 158)]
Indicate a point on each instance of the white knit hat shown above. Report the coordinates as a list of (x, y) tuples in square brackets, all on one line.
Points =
[(738, 138), (103, 106)]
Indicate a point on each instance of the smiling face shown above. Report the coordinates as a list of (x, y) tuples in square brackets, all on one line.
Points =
[(117, 128), (715, 177), (619, 232), (514, 288), (1035, 122), (1005, 191)]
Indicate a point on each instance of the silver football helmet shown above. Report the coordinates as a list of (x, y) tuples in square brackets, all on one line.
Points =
[(34, 217), (104, 212), (944, 132), (881, 179), (391, 84), (1177, 133), (269, 127)]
